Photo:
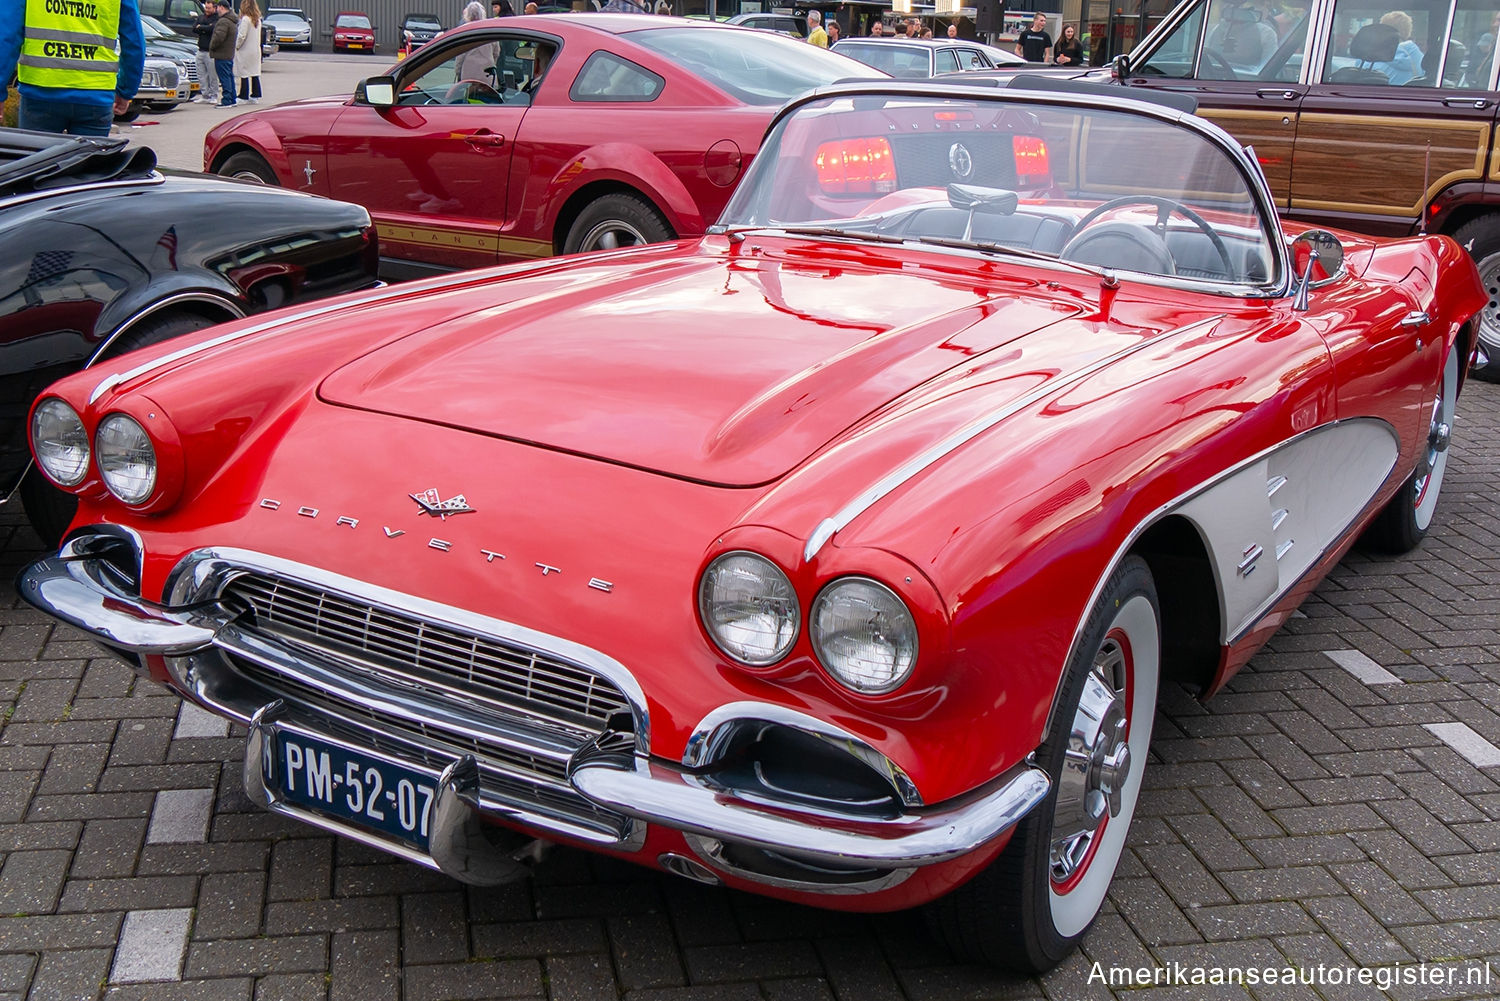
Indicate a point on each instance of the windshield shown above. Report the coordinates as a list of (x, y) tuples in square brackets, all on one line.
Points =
[(1095, 187), (352, 21), (419, 21), (755, 67), (291, 19)]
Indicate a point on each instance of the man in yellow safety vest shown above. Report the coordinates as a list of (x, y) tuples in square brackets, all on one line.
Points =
[(79, 62)]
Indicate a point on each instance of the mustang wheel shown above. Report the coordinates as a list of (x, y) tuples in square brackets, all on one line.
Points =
[(1481, 238), (49, 509), (617, 220), (1405, 520), (1029, 909), (248, 166)]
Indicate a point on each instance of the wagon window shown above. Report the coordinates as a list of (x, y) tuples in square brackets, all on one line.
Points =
[(1243, 40), (1372, 45), (1470, 62)]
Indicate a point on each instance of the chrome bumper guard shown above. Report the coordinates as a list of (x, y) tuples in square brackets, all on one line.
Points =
[(467, 848), (663, 794)]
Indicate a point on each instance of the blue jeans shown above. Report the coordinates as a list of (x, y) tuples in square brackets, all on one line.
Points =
[(224, 69), (72, 118)]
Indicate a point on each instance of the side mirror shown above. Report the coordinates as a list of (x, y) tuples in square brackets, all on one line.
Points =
[(1121, 66), (1317, 257), (378, 91)]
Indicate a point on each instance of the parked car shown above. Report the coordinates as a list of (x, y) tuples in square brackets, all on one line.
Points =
[(109, 255), (785, 24), (270, 37), (292, 27), (1379, 120), (353, 32), (532, 136), (165, 83), (916, 58), (177, 15), (419, 29), (836, 555)]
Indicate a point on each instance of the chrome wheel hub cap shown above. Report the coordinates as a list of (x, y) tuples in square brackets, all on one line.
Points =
[(612, 236), (1439, 432), (1096, 764)]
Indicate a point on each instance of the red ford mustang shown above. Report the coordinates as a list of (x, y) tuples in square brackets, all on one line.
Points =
[(532, 136), (836, 555)]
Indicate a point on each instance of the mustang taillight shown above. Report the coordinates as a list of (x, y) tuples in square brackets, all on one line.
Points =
[(856, 167), (1033, 166)]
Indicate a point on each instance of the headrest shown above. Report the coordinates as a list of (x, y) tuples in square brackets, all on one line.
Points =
[(1375, 43)]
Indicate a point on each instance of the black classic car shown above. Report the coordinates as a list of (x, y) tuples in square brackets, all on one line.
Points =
[(107, 254)]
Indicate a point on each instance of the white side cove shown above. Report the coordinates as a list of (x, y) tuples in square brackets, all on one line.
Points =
[(1268, 522)]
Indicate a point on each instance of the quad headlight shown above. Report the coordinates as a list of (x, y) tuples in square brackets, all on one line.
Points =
[(864, 634), (749, 608), (59, 442), (126, 457)]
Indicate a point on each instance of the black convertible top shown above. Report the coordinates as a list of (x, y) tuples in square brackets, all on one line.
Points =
[(37, 161)]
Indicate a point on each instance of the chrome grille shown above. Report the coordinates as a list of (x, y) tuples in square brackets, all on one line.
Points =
[(497, 674), (431, 667)]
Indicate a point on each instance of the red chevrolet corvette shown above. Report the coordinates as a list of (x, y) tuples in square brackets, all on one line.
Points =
[(836, 555), (525, 137)]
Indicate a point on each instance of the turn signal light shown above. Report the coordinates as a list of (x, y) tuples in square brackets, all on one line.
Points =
[(856, 167), (1033, 166)]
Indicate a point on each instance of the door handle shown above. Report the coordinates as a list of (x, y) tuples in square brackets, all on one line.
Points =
[(1477, 103), (484, 139), (1273, 94), (1416, 318)]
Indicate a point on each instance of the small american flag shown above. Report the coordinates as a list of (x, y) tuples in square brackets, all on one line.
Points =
[(168, 242)]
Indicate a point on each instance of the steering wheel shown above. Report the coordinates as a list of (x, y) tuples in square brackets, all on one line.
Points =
[(472, 91), (1164, 209), (1219, 65)]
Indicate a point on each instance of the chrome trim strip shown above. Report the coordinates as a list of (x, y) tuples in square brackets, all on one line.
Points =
[(337, 305), (73, 590), (1169, 507), (659, 793), (154, 179), (706, 744), (211, 298), (831, 526)]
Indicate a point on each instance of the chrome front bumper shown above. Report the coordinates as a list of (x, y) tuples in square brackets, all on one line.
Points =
[(79, 590)]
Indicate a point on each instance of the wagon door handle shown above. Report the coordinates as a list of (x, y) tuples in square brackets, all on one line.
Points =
[(1477, 103), (1279, 95), (1416, 318), (484, 137)]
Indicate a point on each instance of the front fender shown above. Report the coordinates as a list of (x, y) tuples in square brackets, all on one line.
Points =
[(192, 286), (632, 166)]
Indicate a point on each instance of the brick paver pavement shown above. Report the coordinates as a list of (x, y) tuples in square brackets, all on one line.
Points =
[(1326, 809)]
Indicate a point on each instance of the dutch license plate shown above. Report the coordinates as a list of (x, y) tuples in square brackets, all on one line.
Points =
[(355, 45), (171, 93), (363, 790)]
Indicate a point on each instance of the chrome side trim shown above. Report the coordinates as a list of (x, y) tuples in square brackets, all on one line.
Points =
[(211, 298), (1170, 507), (706, 744), (659, 793), (831, 526)]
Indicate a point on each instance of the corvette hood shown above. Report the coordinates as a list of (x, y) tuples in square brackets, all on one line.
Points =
[(721, 370)]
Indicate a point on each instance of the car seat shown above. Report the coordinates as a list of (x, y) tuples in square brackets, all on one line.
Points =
[(1374, 43)]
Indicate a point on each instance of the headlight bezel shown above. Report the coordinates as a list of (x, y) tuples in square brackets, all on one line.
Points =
[(711, 626), (816, 633), (87, 463), (102, 460)]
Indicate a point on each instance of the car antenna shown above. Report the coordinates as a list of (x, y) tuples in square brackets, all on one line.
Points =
[(1426, 173)]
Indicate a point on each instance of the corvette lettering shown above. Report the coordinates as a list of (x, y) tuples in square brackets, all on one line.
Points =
[(431, 504)]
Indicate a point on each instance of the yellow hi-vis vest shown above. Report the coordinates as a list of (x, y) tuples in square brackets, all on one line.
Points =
[(71, 44)]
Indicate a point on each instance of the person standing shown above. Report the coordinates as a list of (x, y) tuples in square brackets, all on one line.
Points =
[(1033, 43), (247, 52), (221, 47), (877, 29), (78, 64), (833, 33), (815, 33), (1069, 50), (953, 30), (208, 78)]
